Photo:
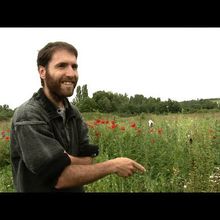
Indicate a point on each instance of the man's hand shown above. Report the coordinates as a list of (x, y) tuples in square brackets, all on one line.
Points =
[(126, 167)]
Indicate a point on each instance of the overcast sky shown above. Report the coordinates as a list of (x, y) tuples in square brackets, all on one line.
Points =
[(176, 63)]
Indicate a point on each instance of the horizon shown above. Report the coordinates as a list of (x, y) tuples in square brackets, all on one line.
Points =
[(72, 97)]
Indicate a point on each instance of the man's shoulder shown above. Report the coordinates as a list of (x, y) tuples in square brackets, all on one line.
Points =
[(30, 104), (27, 110)]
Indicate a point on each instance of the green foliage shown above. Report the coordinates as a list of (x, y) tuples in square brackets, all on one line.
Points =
[(4, 153), (84, 92), (198, 105), (173, 162), (78, 97), (6, 182), (87, 105), (5, 112), (107, 102)]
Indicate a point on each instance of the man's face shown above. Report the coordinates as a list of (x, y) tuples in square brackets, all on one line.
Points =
[(61, 75)]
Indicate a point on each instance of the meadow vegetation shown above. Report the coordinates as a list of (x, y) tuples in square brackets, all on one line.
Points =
[(181, 152)]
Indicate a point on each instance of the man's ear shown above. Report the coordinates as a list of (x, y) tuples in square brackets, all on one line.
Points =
[(42, 72)]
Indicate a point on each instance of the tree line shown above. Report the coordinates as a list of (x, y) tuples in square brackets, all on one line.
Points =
[(108, 102)]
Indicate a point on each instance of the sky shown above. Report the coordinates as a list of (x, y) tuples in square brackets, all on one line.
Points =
[(174, 63)]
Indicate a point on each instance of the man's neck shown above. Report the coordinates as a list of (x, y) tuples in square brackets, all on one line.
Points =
[(57, 101)]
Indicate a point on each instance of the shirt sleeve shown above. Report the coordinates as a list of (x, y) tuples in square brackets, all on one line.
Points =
[(42, 154)]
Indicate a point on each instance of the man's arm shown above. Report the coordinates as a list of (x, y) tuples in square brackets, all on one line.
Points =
[(77, 175), (80, 160)]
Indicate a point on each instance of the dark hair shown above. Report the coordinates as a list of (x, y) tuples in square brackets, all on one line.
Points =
[(46, 53)]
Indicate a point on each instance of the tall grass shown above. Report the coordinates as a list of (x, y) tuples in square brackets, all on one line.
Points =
[(173, 163), (181, 153), (6, 184)]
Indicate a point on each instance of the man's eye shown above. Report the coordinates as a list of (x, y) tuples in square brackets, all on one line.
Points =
[(62, 65), (75, 66)]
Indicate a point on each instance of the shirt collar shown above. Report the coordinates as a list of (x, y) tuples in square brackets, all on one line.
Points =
[(50, 108)]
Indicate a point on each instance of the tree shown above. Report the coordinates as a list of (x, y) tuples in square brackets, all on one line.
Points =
[(103, 101), (78, 97), (84, 92), (87, 105)]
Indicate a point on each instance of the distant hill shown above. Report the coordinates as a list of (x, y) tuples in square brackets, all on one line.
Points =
[(210, 99), (217, 100)]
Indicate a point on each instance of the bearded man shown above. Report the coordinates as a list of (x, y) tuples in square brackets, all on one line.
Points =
[(50, 148)]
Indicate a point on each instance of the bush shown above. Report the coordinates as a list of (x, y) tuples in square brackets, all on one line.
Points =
[(5, 115)]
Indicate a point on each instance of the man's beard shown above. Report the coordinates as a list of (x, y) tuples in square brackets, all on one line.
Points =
[(57, 88)]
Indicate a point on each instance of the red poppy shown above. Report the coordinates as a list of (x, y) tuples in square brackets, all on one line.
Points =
[(133, 125), (160, 130), (7, 138), (114, 126)]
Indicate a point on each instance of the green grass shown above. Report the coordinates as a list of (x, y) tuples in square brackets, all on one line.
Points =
[(6, 184), (173, 163)]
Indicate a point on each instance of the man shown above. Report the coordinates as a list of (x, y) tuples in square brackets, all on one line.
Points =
[(50, 149)]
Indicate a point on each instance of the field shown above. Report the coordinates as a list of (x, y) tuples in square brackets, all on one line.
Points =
[(181, 152)]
